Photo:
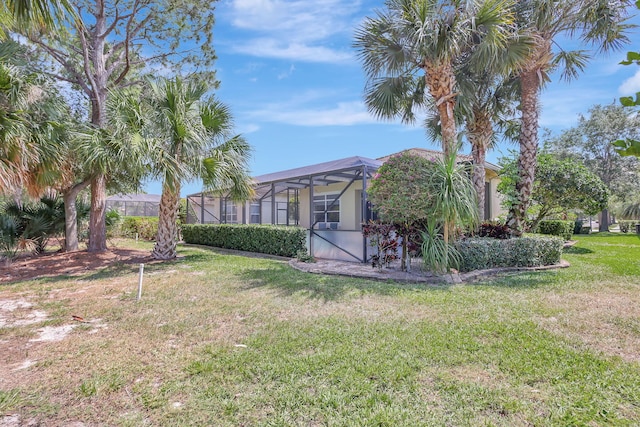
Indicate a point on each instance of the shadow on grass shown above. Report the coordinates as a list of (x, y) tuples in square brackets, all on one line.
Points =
[(289, 281), (529, 280), (577, 250)]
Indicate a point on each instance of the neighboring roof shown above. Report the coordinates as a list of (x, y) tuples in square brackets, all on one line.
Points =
[(432, 154), (326, 168), (152, 198)]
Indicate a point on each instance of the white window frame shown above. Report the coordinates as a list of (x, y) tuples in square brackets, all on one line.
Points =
[(327, 199), (230, 213)]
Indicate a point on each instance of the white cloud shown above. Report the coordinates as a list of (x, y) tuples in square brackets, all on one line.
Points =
[(272, 48), (288, 73), (300, 20), (298, 30), (631, 85), (343, 114)]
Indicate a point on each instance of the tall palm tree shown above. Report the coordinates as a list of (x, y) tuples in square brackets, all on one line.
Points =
[(488, 101), (191, 134), (595, 22), (430, 37)]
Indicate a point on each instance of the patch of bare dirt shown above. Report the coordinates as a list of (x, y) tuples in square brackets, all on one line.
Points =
[(68, 263)]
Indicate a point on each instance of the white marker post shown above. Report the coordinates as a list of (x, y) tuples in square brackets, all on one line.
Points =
[(140, 282)]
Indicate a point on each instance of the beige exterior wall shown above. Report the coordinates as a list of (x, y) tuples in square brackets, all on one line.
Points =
[(350, 205), (496, 200)]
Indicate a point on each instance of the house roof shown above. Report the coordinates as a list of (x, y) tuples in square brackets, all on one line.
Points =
[(432, 154), (341, 170), (327, 169), (152, 198)]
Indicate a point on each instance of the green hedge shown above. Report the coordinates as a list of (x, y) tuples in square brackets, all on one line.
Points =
[(556, 227), (145, 226), (266, 239), (480, 253)]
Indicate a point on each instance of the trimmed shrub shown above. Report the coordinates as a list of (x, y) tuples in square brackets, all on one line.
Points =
[(556, 227), (266, 239), (480, 253), (145, 226)]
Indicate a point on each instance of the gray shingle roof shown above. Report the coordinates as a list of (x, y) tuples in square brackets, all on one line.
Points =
[(326, 168)]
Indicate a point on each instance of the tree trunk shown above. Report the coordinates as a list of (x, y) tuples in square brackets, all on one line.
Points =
[(71, 216), (97, 225), (530, 85), (604, 221), (480, 133), (98, 97), (441, 82), (165, 247)]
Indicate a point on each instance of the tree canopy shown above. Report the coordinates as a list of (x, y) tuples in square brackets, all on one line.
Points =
[(561, 185)]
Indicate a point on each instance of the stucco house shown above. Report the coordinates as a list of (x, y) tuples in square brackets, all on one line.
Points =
[(328, 199)]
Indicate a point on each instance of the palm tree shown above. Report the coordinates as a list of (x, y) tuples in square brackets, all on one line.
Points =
[(31, 125), (488, 101), (596, 22), (190, 132), (429, 37), (33, 13)]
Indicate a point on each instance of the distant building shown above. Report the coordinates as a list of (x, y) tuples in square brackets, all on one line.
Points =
[(134, 204)]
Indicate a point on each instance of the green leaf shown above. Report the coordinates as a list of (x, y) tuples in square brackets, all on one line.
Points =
[(632, 58), (628, 101), (628, 147)]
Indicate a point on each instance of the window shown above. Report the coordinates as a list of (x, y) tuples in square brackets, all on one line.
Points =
[(230, 213), (254, 213), (326, 208)]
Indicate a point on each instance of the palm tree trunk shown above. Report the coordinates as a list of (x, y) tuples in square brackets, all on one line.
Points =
[(480, 133), (441, 82), (530, 85), (165, 247), (71, 216), (97, 225)]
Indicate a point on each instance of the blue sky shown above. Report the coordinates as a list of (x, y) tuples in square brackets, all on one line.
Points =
[(292, 80)]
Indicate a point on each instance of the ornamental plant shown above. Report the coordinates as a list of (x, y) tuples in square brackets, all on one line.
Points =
[(384, 238), (401, 196)]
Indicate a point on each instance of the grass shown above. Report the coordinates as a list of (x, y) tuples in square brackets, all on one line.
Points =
[(225, 340)]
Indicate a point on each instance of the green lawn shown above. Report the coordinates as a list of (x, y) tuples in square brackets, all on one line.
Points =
[(227, 341)]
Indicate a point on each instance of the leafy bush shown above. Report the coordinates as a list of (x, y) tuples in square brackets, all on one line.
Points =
[(556, 227), (38, 221), (625, 226), (479, 253), (384, 239), (266, 239), (146, 227), (112, 221), (494, 230)]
